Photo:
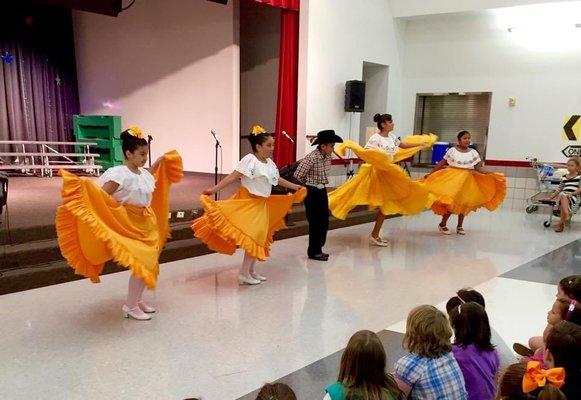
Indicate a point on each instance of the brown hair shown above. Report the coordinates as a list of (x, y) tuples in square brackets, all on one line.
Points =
[(471, 326), (381, 118), (569, 310), (428, 332), (571, 286), (576, 160), (276, 391), (464, 296), (258, 139), (510, 387), (362, 370), (564, 344)]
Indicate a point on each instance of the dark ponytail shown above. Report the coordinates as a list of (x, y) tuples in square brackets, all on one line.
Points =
[(381, 118), (131, 143), (259, 139)]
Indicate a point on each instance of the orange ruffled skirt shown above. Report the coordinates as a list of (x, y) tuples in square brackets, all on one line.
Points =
[(93, 228), (244, 220), (381, 184), (461, 191)]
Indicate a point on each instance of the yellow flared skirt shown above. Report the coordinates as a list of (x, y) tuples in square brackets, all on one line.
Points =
[(245, 221), (93, 228), (461, 191), (379, 184)]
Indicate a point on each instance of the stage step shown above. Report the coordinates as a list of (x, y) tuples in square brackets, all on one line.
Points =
[(39, 263)]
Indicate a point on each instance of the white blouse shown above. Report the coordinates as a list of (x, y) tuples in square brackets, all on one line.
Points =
[(387, 144), (459, 159), (258, 177), (134, 189)]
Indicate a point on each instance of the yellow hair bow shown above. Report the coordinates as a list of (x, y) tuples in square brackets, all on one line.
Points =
[(536, 377), (135, 131), (257, 130)]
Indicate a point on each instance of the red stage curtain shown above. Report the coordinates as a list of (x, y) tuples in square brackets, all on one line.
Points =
[(288, 71), (286, 107), (286, 4)]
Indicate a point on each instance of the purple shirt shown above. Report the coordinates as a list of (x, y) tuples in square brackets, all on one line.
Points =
[(479, 369)]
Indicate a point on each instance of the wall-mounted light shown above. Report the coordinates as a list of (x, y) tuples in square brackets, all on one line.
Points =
[(542, 28)]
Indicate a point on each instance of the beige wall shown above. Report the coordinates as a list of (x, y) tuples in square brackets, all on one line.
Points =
[(171, 67)]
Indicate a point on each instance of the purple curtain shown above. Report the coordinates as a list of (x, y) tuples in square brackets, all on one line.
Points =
[(38, 81)]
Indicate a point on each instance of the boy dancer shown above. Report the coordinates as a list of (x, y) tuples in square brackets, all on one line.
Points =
[(313, 171)]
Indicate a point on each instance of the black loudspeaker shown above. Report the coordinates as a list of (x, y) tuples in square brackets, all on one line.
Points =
[(220, 1), (355, 96), (3, 190)]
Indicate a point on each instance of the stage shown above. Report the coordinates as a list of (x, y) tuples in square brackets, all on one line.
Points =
[(32, 201)]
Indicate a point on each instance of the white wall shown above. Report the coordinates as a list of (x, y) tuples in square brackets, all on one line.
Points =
[(376, 78), (411, 8), (171, 67), (337, 36), (471, 52)]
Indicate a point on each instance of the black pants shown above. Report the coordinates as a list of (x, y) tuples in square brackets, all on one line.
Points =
[(317, 210)]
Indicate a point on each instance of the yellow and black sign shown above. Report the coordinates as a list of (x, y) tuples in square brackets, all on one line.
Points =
[(572, 128)]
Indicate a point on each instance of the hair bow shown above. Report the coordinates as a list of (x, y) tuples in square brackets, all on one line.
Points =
[(536, 377), (257, 130), (135, 131)]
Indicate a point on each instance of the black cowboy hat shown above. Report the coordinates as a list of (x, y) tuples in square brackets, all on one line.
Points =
[(327, 136)]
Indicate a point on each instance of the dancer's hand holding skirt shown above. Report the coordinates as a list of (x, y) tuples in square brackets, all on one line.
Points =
[(380, 184), (245, 221), (93, 228), (461, 191)]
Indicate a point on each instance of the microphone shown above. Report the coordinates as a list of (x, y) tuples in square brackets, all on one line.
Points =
[(287, 136), (216, 136)]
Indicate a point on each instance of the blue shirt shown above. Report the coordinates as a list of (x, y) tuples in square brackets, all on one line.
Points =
[(437, 378)]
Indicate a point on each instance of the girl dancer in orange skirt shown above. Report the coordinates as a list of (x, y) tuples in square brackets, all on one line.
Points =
[(251, 217), (380, 182), (463, 187), (123, 218)]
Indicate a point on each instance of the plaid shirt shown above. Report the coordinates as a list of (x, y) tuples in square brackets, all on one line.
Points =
[(432, 378), (314, 169)]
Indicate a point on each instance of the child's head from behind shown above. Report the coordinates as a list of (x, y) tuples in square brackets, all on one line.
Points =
[(511, 386), (573, 165), (564, 348), (471, 326), (276, 391), (465, 296), (134, 146), (569, 288), (362, 369), (428, 332)]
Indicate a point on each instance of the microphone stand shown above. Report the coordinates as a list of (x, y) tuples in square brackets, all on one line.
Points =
[(287, 219), (149, 140), (216, 147)]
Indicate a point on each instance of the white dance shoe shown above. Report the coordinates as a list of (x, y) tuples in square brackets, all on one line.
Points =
[(135, 313)]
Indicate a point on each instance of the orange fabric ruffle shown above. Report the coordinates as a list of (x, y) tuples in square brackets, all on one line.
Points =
[(379, 184), (461, 191), (245, 221), (93, 228)]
